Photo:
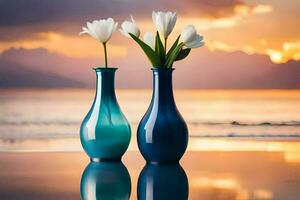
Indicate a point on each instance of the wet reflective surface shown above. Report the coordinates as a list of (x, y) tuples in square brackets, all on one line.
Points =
[(216, 174), (105, 180), (162, 182)]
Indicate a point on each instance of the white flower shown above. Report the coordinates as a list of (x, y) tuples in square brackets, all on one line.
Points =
[(101, 30), (149, 39), (130, 27), (164, 22), (190, 38)]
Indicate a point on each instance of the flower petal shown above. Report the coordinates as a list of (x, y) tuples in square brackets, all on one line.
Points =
[(149, 39), (164, 22), (130, 27), (91, 30), (101, 30), (188, 34), (154, 16), (197, 42)]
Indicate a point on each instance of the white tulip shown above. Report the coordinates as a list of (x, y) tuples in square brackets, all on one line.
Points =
[(190, 38), (130, 27), (149, 39), (101, 30), (164, 22)]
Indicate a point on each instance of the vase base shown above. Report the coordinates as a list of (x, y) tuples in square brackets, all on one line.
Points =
[(105, 159), (163, 163)]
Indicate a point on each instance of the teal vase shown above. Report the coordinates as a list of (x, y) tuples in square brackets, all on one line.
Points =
[(105, 181), (105, 132)]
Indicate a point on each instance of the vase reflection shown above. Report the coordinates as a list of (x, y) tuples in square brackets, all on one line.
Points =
[(106, 180), (159, 182)]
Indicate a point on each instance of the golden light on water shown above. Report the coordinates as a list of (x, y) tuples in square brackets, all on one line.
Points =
[(201, 144), (290, 150), (262, 194), (224, 183), (292, 157), (229, 185)]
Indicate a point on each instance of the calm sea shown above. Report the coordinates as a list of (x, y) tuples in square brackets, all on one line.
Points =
[(57, 113)]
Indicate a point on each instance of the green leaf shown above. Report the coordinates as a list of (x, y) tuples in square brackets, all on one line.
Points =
[(173, 56), (183, 54), (173, 46), (159, 48), (152, 56)]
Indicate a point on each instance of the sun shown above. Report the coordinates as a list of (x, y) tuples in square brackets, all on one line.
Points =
[(276, 56)]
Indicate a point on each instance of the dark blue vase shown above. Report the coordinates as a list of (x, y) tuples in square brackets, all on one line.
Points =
[(162, 134), (105, 132), (162, 182), (108, 180)]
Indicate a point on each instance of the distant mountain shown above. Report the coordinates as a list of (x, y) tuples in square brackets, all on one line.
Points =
[(16, 75), (237, 70), (202, 69), (42, 60)]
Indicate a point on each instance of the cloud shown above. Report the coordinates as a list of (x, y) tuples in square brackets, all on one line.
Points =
[(18, 13), (23, 20), (32, 17), (253, 9), (261, 9), (232, 25), (288, 51), (73, 46)]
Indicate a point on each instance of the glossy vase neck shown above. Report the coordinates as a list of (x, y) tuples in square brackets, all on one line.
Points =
[(105, 84), (162, 134), (162, 86)]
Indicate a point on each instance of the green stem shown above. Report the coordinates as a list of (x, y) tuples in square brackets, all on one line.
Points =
[(166, 44), (105, 54)]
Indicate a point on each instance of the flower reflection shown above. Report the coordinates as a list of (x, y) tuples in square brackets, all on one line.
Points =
[(109, 180), (160, 182)]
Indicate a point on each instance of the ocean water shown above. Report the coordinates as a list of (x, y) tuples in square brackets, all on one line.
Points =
[(57, 113)]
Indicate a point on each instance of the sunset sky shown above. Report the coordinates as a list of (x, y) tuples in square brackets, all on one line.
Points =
[(264, 33)]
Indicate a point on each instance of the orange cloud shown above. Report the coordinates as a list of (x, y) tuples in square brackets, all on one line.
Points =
[(73, 46), (289, 50), (261, 9), (257, 9), (226, 33)]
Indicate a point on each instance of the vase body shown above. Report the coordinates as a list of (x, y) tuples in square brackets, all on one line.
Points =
[(162, 182), (105, 181), (105, 132), (162, 134)]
